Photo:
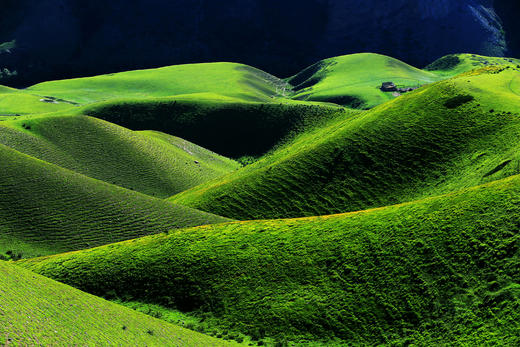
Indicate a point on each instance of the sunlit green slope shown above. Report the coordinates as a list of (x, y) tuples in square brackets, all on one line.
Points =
[(37, 311), (18, 102), (157, 165), (440, 271), (355, 80), (453, 134), (237, 81), (45, 209)]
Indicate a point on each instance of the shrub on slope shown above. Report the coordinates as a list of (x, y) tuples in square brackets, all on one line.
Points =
[(45, 209), (38, 311), (413, 147), (115, 155), (438, 271)]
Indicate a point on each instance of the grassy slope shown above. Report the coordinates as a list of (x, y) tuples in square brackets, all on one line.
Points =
[(354, 80), (415, 146), (18, 102), (443, 270), (45, 209), (35, 310), (358, 76), (157, 165), (223, 79)]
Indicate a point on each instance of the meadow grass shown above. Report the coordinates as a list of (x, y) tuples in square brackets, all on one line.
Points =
[(438, 271), (37, 311)]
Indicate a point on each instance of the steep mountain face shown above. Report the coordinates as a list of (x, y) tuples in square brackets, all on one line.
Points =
[(59, 38)]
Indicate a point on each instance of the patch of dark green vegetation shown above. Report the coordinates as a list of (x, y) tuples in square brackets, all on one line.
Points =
[(498, 168), (344, 100), (458, 100), (445, 63), (307, 77)]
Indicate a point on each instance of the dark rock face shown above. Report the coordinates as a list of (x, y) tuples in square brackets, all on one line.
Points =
[(68, 38)]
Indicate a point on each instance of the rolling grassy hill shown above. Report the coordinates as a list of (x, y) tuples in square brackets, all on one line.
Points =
[(45, 209), (354, 80), (35, 310), (453, 134), (222, 79), (155, 165), (439, 271)]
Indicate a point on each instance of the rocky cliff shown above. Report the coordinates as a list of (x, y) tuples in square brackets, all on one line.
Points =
[(65, 38)]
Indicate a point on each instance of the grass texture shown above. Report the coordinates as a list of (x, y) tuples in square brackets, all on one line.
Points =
[(37, 311), (45, 209)]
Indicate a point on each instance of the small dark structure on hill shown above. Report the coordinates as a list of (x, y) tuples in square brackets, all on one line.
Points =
[(391, 87), (388, 87)]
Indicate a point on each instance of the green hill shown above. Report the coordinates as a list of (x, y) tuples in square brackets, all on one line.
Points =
[(35, 310), (45, 209), (355, 80), (157, 165), (453, 134), (439, 271), (222, 79)]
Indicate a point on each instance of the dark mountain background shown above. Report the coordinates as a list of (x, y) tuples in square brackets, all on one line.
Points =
[(70, 38)]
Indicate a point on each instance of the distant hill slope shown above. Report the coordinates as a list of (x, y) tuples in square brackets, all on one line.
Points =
[(157, 165), (355, 80), (225, 79), (453, 134), (38, 311), (59, 39), (45, 209), (439, 271)]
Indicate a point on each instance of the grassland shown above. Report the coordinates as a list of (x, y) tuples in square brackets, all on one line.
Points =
[(442, 270), (37, 311), (453, 134), (45, 209), (411, 207), (155, 165)]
